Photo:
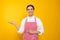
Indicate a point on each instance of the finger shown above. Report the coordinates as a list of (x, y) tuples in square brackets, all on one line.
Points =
[(10, 22)]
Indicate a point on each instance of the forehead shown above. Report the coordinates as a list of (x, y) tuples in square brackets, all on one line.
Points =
[(30, 7)]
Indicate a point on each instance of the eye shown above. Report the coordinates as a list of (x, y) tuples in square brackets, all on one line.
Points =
[(28, 9), (31, 8)]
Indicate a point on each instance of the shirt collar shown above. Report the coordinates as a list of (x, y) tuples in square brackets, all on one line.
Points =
[(31, 16)]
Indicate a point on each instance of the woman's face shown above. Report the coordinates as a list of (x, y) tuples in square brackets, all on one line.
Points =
[(30, 10)]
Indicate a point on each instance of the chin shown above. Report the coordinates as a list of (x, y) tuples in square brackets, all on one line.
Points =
[(30, 14)]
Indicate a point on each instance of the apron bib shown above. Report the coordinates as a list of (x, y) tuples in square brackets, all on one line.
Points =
[(30, 26)]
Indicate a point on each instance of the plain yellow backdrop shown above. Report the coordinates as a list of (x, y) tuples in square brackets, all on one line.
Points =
[(15, 10)]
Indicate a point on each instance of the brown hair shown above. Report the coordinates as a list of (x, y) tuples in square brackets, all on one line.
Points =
[(31, 6)]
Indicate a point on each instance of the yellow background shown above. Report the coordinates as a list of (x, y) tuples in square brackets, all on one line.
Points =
[(15, 10)]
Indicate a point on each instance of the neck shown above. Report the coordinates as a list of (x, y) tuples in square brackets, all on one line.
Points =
[(30, 15)]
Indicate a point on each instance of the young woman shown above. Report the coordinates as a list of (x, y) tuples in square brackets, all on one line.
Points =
[(31, 25)]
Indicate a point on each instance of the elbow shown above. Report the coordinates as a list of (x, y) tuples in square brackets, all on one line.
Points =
[(19, 32), (41, 33)]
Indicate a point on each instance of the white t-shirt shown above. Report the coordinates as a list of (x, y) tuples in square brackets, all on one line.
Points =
[(32, 19)]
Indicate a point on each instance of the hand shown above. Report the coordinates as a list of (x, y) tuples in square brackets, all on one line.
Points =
[(11, 22), (39, 32), (33, 32)]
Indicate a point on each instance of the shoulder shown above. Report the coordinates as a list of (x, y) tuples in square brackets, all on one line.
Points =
[(23, 20), (38, 19)]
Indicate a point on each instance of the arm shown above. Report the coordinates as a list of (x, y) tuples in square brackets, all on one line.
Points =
[(21, 29), (40, 26)]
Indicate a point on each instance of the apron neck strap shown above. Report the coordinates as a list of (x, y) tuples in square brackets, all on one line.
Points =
[(35, 19)]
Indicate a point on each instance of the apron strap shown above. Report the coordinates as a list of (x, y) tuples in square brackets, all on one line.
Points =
[(35, 19)]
